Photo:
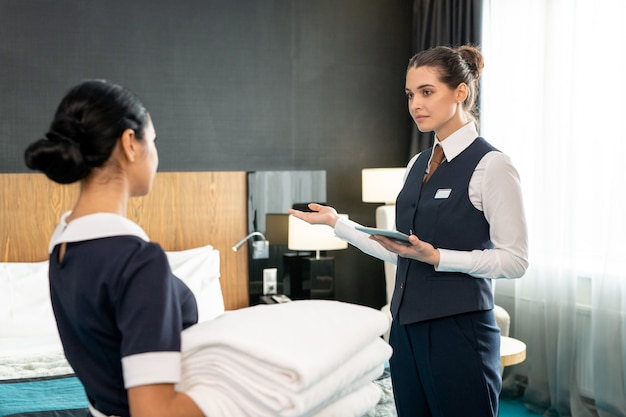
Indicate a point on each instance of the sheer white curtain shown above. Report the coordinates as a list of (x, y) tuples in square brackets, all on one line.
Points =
[(554, 98)]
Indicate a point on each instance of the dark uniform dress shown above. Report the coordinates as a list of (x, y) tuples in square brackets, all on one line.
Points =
[(119, 309)]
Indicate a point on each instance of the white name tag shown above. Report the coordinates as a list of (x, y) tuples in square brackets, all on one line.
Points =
[(443, 193)]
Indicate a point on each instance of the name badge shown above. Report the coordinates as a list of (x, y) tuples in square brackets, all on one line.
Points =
[(443, 193)]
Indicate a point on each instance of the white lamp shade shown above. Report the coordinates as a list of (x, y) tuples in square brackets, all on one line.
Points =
[(381, 185), (308, 237)]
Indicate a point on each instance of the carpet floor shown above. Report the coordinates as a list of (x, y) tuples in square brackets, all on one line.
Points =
[(514, 408)]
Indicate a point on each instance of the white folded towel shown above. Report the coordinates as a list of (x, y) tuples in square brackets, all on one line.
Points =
[(353, 404), (289, 360), (298, 342), (254, 392), (217, 400)]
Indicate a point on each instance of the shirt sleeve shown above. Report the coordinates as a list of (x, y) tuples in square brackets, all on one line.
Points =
[(345, 229), (149, 316), (495, 189)]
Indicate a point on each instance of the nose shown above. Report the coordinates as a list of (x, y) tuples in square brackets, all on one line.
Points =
[(414, 104)]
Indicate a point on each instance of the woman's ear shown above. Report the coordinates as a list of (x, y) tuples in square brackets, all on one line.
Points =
[(461, 92), (129, 144)]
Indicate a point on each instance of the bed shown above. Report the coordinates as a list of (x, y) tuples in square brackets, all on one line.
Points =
[(195, 216)]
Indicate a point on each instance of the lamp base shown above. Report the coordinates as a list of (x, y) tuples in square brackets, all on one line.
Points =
[(309, 277)]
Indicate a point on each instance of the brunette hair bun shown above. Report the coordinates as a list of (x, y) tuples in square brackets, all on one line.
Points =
[(474, 59)]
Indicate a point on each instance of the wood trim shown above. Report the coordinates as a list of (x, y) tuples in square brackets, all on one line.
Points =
[(184, 210)]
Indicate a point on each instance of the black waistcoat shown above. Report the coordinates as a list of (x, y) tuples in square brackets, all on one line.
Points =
[(442, 214)]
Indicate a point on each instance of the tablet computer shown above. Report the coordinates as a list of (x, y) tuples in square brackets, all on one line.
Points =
[(392, 234)]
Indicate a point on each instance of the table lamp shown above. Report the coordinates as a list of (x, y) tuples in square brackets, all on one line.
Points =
[(312, 276), (382, 185)]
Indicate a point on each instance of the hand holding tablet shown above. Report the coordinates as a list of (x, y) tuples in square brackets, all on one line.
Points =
[(399, 237)]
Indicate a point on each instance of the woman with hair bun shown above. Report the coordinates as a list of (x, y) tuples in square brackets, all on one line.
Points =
[(461, 205), (119, 309)]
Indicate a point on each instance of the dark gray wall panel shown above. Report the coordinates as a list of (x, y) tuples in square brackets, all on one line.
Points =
[(232, 85)]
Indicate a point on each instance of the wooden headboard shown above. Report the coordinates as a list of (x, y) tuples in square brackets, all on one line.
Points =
[(184, 210)]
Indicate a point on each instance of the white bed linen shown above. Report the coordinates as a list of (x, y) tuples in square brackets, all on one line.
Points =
[(25, 308), (199, 268), (32, 357), (284, 359), (29, 339)]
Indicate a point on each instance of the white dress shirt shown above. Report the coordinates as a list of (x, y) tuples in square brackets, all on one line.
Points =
[(495, 190)]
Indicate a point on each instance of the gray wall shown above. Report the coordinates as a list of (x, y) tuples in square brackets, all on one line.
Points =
[(231, 85)]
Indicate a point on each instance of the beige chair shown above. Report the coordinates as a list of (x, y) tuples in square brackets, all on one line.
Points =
[(503, 320)]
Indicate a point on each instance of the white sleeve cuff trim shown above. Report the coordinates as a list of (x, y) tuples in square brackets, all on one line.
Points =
[(151, 368), (454, 261)]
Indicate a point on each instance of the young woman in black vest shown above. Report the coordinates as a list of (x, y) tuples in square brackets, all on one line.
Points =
[(465, 217)]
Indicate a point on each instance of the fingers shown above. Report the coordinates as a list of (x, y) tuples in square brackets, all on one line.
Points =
[(319, 214), (312, 217), (300, 214), (315, 206), (416, 250), (387, 243)]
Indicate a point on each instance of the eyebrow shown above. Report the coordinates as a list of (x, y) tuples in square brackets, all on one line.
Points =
[(421, 87)]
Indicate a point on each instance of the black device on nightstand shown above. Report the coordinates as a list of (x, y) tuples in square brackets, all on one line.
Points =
[(274, 299)]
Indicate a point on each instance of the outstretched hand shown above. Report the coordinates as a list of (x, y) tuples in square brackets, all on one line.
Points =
[(418, 249), (319, 214)]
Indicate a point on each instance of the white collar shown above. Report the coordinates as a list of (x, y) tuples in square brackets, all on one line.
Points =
[(458, 141), (94, 226)]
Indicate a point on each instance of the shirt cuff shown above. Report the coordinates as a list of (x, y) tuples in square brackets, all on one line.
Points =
[(151, 368), (344, 228), (454, 261)]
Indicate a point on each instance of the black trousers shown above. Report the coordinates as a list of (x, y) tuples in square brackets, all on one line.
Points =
[(447, 367)]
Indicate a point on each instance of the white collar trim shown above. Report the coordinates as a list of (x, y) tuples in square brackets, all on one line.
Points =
[(94, 226), (458, 141)]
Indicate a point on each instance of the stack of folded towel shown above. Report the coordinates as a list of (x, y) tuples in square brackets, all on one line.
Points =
[(305, 358)]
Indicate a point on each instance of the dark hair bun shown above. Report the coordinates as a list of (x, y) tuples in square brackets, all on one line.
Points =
[(86, 128), (474, 59), (58, 157)]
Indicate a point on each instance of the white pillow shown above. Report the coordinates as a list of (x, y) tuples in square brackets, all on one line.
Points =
[(25, 308), (199, 268), (26, 311)]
